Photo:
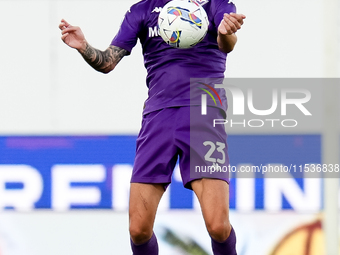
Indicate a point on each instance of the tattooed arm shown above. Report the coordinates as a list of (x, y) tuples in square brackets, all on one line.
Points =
[(102, 61)]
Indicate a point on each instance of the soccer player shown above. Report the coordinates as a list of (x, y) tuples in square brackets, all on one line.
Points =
[(170, 116)]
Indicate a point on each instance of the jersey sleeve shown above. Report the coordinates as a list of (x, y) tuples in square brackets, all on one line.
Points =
[(127, 36), (224, 6)]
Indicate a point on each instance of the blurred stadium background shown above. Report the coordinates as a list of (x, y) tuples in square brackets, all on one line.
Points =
[(67, 136)]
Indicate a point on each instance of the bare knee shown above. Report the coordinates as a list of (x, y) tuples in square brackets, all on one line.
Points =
[(219, 230), (140, 234), (144, 199)]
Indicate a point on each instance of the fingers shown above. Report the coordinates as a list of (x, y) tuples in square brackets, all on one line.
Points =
[(239, 17), (227, 27), (64, 21), (223, 28), (63, 24), (69, 30), (232, 22), (66, 29), (64, 36)]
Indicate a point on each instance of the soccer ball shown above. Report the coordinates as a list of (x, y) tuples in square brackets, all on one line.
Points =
[(183, 23)]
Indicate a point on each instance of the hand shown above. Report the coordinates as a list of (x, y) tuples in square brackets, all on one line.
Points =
[(231, 23), (72, 36)]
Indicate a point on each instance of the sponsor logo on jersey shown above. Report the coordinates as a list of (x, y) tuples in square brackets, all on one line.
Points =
[(157, 10), (153, 31)]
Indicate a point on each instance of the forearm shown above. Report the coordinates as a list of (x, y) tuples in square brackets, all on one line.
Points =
[(226, 43), (102, 61)]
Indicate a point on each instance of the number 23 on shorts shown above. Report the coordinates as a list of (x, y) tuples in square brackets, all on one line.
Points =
[(219, 147)]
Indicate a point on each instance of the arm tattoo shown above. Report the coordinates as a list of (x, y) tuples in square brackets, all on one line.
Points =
[(103, 61)]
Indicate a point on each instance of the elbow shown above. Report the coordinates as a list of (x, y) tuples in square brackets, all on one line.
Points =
[(107, 69)]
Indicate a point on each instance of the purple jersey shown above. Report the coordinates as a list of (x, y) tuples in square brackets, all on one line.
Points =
[(170, 69)]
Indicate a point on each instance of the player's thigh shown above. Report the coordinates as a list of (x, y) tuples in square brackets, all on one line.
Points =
[(144, 200), (213, 195)]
